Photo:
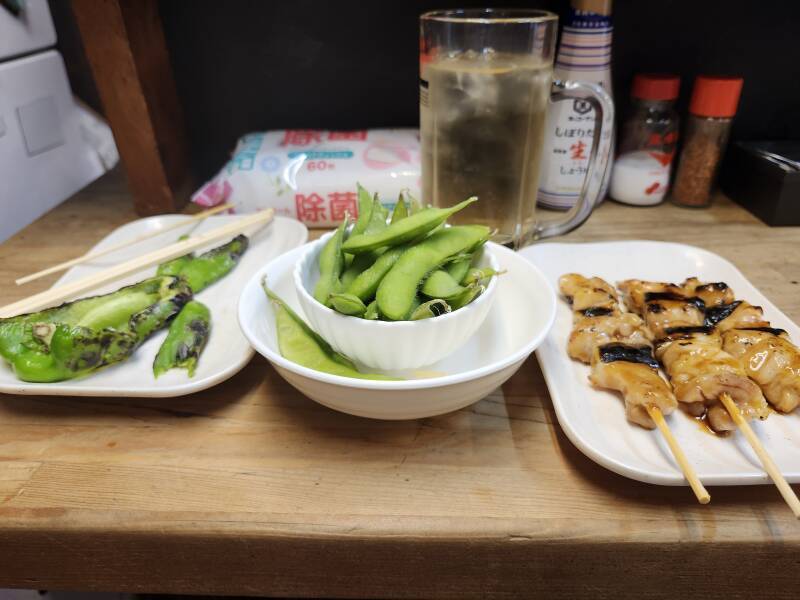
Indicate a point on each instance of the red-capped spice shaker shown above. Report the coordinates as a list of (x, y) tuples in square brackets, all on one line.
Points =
[(713, 105), (647, 145)]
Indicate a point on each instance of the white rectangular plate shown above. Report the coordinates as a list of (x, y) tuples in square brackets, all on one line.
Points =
[(594, 420), (227, 350)]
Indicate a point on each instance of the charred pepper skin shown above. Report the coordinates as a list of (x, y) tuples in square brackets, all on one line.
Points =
[(187, 337), (203, 270), (79, 337), (188, 333)]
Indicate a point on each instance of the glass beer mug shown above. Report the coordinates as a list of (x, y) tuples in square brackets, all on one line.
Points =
[(486, 79)]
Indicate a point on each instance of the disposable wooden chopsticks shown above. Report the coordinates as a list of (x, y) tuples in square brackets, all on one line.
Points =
[(766, 460), (69, 290), (703, 497), (92, 255)]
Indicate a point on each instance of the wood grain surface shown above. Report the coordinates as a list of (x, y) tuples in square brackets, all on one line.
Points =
[(251, 488)]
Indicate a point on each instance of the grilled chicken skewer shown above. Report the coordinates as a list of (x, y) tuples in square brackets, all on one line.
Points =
[(765, 353), (620, 351), (712, 294), (768, 358), (618, 347), (699, 369), (633, 372)]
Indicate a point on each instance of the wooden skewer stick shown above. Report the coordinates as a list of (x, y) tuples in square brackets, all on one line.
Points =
[(769, 465), (92, 255), (69, 290), (703, 497)]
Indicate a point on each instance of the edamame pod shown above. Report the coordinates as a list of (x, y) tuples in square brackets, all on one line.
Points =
[(440, 284), (185, 341), (298, 343), (371, 313), (479, 275), (408, 229), (366, 284), (414, 205), (330, 262), (377, 221), (429, 309), (398, 289), (459, 268), (363, 261), (327, 348), (468, 295), (400, 211), (360, 263), (364, 211), (348, 304), (414, 304)]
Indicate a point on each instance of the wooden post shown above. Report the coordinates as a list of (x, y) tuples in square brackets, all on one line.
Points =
[(125, 46)]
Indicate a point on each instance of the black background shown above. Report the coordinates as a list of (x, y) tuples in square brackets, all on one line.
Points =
[(247, 65)]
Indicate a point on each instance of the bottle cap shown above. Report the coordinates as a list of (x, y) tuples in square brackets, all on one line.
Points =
[(715, 96), (655, 86)]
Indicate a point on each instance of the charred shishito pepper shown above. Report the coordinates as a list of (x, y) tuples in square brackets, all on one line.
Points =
[(203, 270), (188, 333), (187, 337), (79, 337)]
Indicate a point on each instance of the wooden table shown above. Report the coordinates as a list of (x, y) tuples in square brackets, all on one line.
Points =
[(251, 488)]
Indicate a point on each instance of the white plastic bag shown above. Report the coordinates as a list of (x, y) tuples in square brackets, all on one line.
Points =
[(311, 175)]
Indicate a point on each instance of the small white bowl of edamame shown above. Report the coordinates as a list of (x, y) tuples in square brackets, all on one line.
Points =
[(392, 345), (522, 313)]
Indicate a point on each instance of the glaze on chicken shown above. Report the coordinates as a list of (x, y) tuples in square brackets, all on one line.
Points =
[(617, 345), (634, 290), (584, 293), (633, 372), (700, 371), (589, 332), (736, 315), (712, 294), (663, 311), (769, 359)]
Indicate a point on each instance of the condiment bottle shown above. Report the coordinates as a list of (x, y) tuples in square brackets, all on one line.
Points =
[(584, 54), (711, 111), (647, 144)]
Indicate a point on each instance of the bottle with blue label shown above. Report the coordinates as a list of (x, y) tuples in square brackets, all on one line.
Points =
[(584, 55)]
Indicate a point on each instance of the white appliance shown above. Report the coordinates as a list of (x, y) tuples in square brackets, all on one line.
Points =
[(46, 154)]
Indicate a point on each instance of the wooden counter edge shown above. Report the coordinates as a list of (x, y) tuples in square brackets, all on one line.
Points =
[(391, 567)]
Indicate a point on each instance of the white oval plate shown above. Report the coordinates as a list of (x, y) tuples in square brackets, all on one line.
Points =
[(227, 350), (595, 419), (522, 314)]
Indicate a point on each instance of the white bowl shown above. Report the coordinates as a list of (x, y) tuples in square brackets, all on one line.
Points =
[(391, 345), (522, 314)]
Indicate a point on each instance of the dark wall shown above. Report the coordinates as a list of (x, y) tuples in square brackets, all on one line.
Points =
[(244, 65)]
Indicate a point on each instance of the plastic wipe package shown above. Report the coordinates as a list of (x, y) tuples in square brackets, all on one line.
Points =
[(311, 175)]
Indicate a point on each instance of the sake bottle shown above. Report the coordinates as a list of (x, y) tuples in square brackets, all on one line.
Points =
[(584, 54)]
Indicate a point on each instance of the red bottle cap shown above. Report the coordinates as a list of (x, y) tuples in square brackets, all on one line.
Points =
[(715, 96), (655, 86)]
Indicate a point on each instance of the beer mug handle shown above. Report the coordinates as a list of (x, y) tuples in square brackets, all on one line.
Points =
[(603, 107)]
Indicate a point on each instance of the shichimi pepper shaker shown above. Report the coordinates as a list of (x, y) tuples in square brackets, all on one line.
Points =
[(713, 105)]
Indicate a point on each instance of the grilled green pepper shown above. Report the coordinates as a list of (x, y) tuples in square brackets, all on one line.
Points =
[(188, 333), (187, 337), (203, 270), (79, 337)]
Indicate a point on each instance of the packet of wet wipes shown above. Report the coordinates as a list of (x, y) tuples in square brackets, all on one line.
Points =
[(311, 175)]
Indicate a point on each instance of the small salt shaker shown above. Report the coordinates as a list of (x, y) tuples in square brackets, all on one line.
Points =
[(647, 145), (713, 105)]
